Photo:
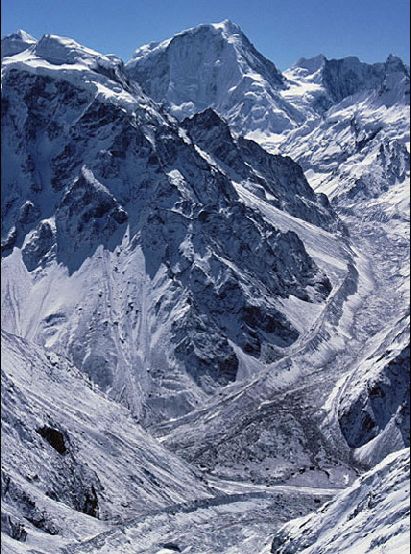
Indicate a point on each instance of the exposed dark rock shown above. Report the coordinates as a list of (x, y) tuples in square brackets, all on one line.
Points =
[(171, 546), (277, 176), (90, 503), (54, 437), (41, 520), (276, 545), (15, 529), (38, 246), (88, 215)]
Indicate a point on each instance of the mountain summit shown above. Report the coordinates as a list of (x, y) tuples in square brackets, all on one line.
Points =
[(15, 43), (212, 66)]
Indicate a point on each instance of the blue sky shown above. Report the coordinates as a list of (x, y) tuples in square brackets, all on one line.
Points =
[(283, 30)]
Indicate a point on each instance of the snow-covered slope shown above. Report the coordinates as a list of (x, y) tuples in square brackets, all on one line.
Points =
[(370, 516), (74, 462)]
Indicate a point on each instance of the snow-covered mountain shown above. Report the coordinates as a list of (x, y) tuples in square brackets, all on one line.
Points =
[(203, 339), (16, 43), (324, 113), (146, 232), (359, 148), (214, 66)]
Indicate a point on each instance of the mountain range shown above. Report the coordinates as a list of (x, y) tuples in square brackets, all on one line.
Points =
[(204, 299)]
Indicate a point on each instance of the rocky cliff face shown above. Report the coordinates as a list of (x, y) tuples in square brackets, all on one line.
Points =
[(276, 179)]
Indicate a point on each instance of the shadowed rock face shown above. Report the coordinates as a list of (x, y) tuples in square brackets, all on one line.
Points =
[(381, 399), (88, 215), (54, 437), (39, 245), (277, 179), (348, 76)]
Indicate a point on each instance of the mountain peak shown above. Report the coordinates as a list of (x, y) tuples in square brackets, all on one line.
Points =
[(16, 42), (395, 64), (22, 35), (59, 49), (224, 28), (228, 26), (209, 66), (311, 65)]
